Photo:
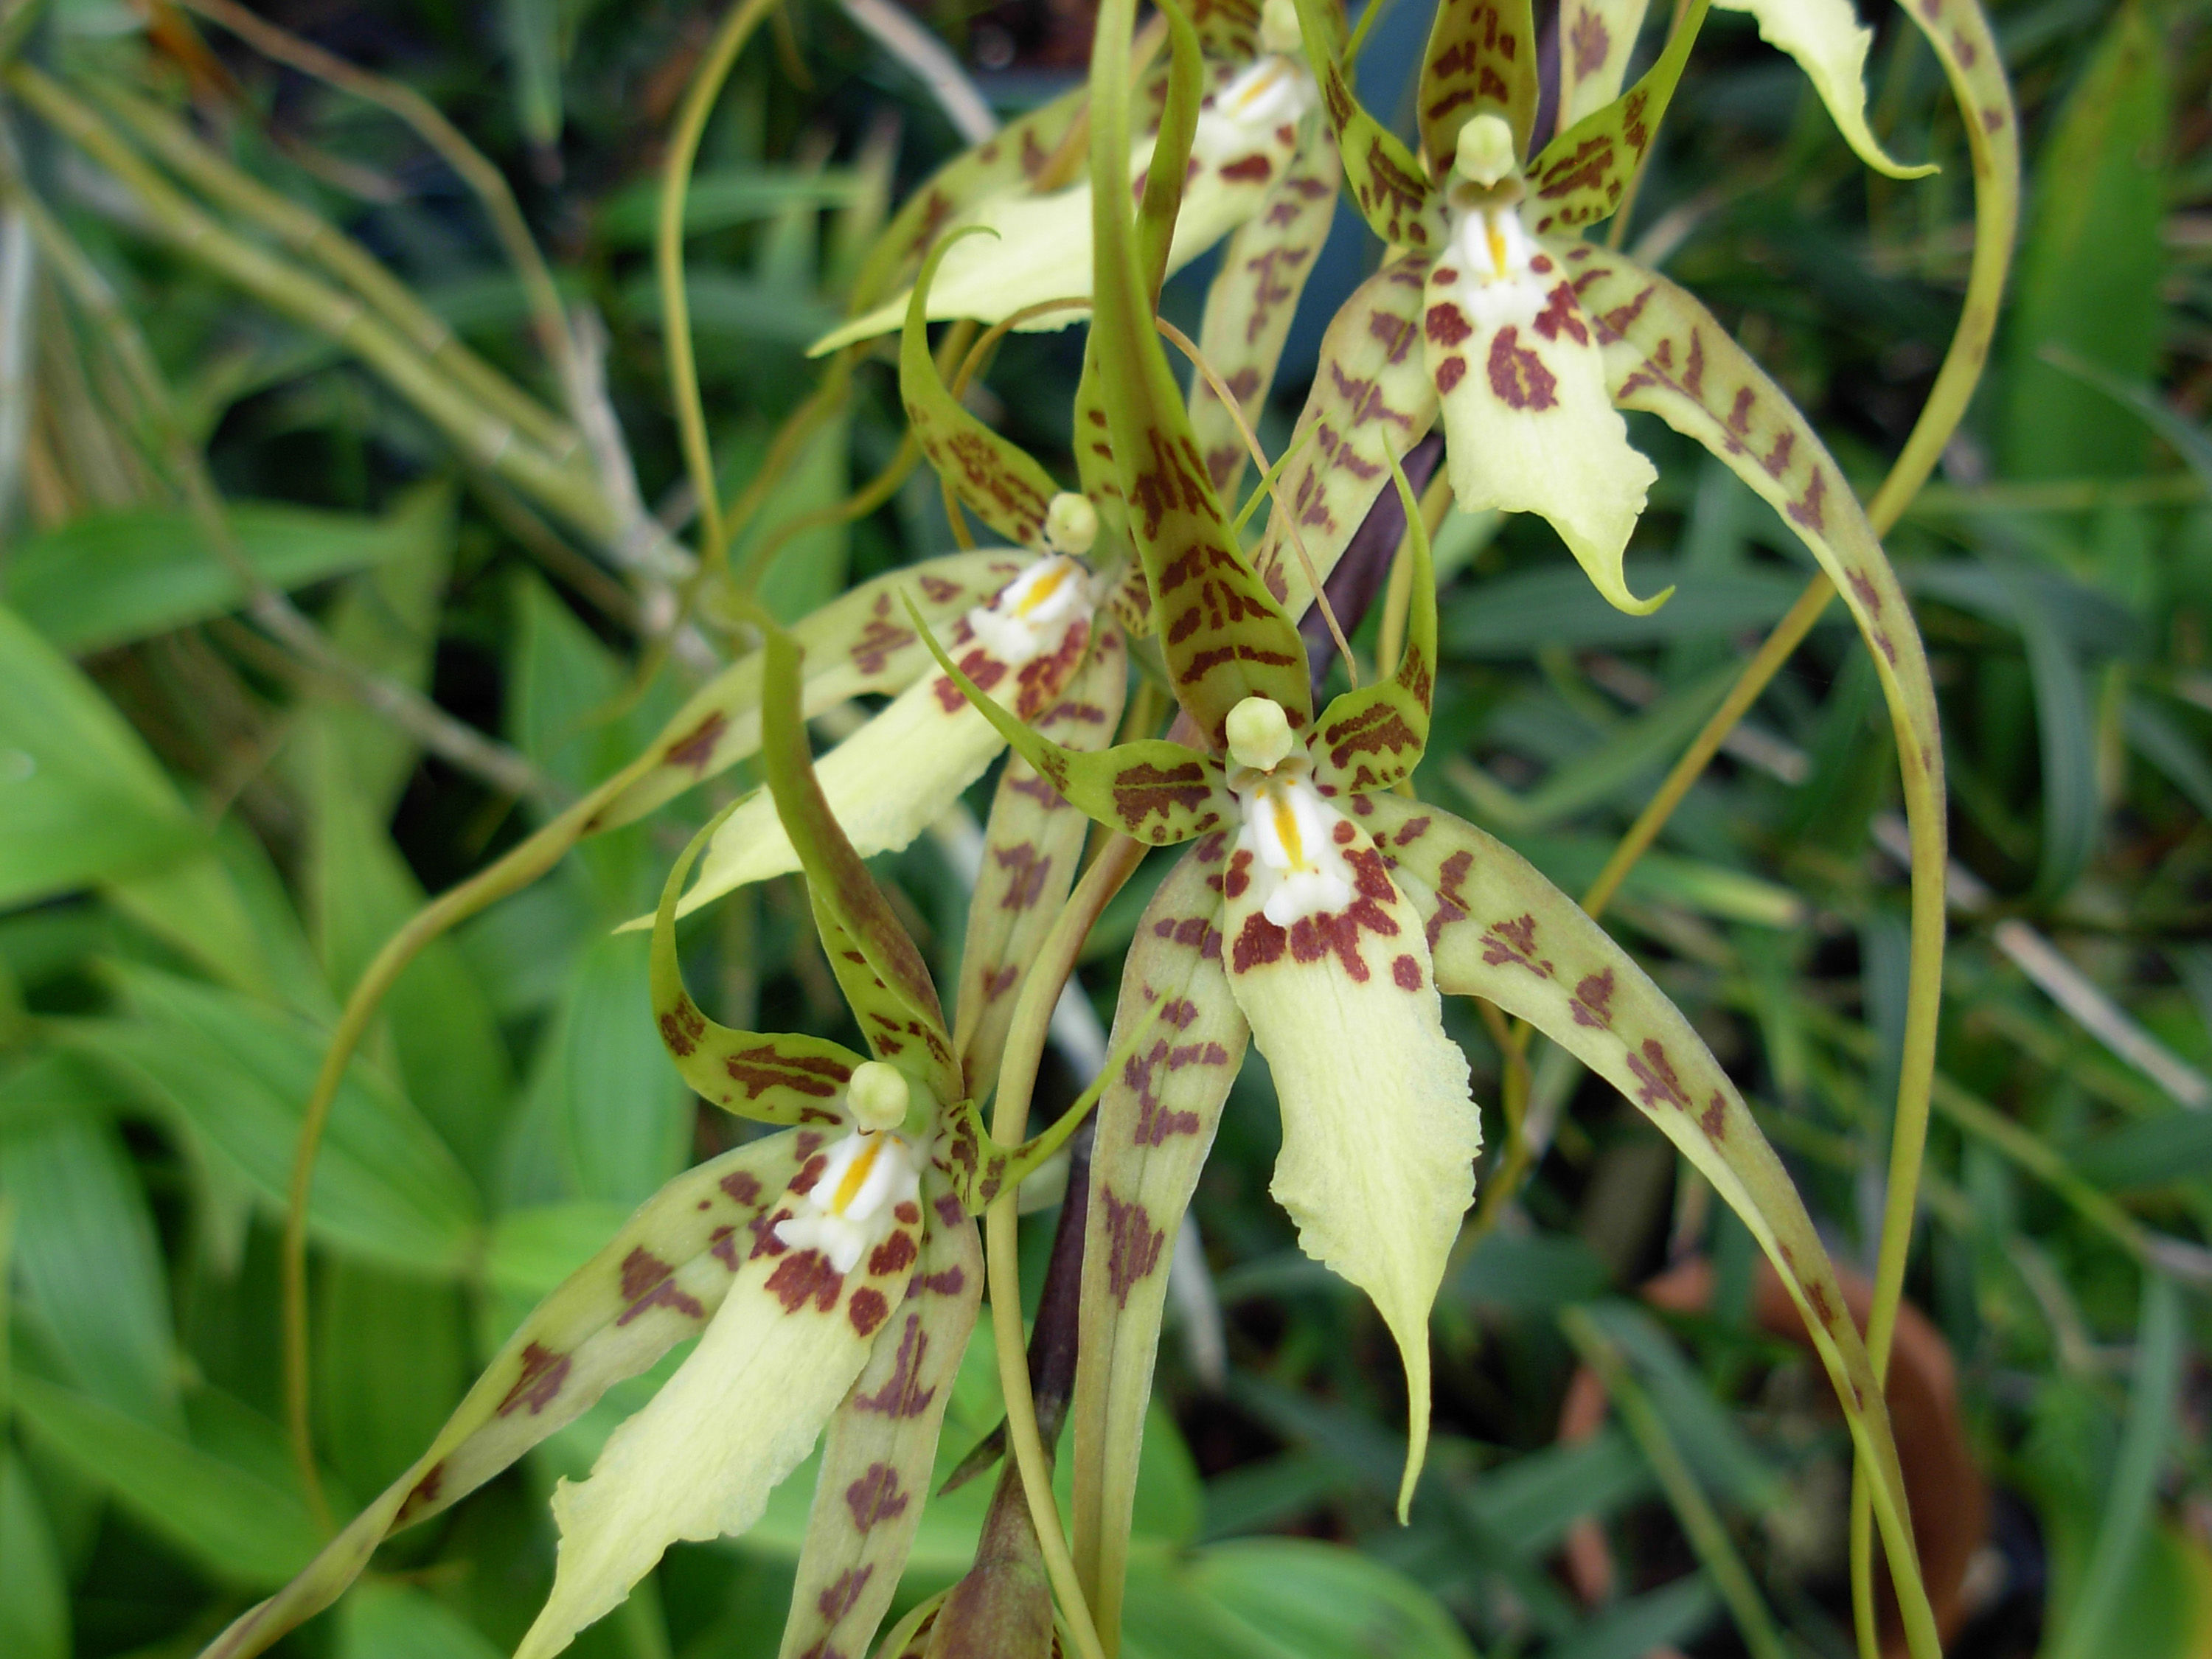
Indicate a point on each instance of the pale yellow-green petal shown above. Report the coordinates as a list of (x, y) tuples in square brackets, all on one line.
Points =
[(740, 1414), (1829, 45), (1597, 40), (1379, 1133), (1529, 425)]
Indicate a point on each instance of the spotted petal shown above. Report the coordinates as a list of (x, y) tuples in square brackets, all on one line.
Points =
[(856, 644), (1596, 38), (877, 1454), (1371, 399), (1371, 737), (1379, 1136), (655, 1284), (995, 479), (1224, 637), (1156, 1119), (1481, 56), (1031, 842), (1388, 183), (1582, 174), (1500, 930), (899, 773), (1529, 426), (1829, 45), (741, 1411)]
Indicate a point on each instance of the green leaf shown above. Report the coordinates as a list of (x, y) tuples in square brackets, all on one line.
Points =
[(2093, 262), (2073, 807), (237, 1073), (34, 1598), (106, 578), (81, 800), (391, 1361), (238, 1525), (386, 1619), (1515, 616), (532, 32), (625, 1121), (1296, 1597), (1631, 1628), (90, 1266)]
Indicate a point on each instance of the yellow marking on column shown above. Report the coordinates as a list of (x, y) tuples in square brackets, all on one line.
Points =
[(856, 1174)]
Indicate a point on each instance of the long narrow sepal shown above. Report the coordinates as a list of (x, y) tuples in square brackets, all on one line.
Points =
[(1581, 174), (1371, 737), (1371, 399), (995, 479), (1379, 1134), (1597, 40), (1160, 203), (890, 981), (1829, 45), (1500, 930), (881, 1445), (1388, 183), (655, 1284), (740, 1414), (1482, 55), (775, 1078), (1151, 789), (1225, 636), (855, 645), (1156, 1123)]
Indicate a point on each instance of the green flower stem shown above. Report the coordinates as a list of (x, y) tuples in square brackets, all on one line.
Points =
[(488, 439), (473, 168), (668, 260), (1701, 1523), (1025, 1052), (311, 237)]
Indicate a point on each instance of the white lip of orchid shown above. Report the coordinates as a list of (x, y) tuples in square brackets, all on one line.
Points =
[(1275, 89), (1499, 281), (1298, 866), (852, 1206), (1031, 614)]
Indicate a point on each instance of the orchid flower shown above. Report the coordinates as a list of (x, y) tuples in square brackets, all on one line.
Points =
[(1323, 915), (832, 1273), (1255, 143)]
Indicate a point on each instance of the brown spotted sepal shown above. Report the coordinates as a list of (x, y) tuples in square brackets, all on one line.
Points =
[(881, 1443), (1371, 737), (1224, 636), (858, 644), (1499, 930), (655, 1284), (995, 479), (1032, 840), (1156, 1118), (1482, 55), (1388, 182), (1664, 352), (1581, 176)]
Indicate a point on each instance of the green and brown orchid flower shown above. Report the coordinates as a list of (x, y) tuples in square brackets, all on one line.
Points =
[(1257, 151), (830, 1272), (1321, 915)]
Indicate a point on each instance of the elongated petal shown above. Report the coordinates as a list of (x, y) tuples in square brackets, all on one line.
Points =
[(1156, 1122), (1224, 637), (1596, 38), (655, 1284), (1371, 399), (700, 1460), (1829, 45), (1529, 425), (995, 479), (1503, 932), (1388, 182), (877, 1454), (1011, 159), (858, 643), (1379, 1134), (1584, 172), (878, 967), (1251, 300), (1665, 352), (1481, 56), (1031, 841), (1370, 737), (895, 776)]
